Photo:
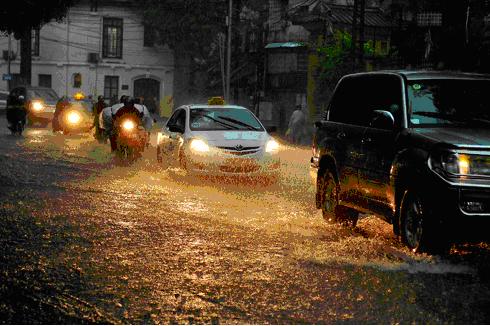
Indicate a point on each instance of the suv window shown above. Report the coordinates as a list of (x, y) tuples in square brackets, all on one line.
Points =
[(357, 97), (343, 106), (384, 92)]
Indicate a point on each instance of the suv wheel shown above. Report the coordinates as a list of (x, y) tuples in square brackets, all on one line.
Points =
[(333, 212), (329, 197), (416, 231)]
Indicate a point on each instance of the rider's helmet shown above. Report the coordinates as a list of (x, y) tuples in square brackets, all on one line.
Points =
[(129, 101), (123, 99)]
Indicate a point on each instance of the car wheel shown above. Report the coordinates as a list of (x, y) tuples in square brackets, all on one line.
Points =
[(416, 230), (329, 197)]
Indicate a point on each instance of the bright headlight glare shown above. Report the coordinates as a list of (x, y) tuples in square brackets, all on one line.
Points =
[(462, 164), (199, 145), (73, 117), (128, 125), (272, 146), (37, 106)]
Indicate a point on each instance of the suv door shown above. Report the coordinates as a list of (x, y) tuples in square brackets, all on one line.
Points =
[(346, 132), (378, 141)]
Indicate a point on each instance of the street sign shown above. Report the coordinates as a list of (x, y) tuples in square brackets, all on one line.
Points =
[(6, 77)]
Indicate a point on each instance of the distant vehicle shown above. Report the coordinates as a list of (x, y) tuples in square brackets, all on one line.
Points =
[(73, 115), (39, 103), (218, 139), (411, 147)]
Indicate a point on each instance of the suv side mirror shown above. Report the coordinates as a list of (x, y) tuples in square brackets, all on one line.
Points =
[(382, 120), (271, 129), (176, 128)]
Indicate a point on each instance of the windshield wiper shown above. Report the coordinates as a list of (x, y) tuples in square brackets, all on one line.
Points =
[(227, 126), (241, 123)]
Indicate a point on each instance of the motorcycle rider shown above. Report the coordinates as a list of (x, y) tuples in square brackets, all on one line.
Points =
[(128, 106), (15, 112), (97, 110)]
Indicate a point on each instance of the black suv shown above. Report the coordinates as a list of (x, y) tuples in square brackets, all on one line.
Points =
[(412, 147)]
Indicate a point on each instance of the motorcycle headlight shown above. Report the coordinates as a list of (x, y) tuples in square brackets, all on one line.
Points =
[(198, 145), (128, 125), (461, 164), (73, 117), (272, 146), (37, 105)]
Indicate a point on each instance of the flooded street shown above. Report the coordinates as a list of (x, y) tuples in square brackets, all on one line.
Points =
[(85, 239)]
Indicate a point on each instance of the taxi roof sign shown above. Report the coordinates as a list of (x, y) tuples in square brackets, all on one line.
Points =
[(216, 100), (79, 96)]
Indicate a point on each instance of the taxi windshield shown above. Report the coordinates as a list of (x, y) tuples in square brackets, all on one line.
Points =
[(454, 102), (223, 119)]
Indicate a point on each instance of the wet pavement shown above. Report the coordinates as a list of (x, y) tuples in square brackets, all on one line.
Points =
[(86, 239)]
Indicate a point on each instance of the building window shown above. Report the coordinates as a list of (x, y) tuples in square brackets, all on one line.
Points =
[(112, 38), (77, 80), (148, 36), (35, 42), (44, 80), (93, 5), (111, 86), (429, 19)]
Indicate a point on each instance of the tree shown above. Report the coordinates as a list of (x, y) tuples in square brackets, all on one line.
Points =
[(192, 28), (22, 16)]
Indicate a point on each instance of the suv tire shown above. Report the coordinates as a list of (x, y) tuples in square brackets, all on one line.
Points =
[(417, 233), (333, 212)]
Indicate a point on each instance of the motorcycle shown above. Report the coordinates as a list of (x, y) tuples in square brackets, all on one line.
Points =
[(16, 121), (130, 137)]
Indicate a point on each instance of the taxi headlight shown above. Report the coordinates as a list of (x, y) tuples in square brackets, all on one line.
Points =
[(128, 125), (458, 164), (73, 117), (37, 105), (272, 146), (198, 145)]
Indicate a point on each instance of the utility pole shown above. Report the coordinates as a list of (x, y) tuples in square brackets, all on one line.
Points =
[(361, 32), (228, 59), (8, 60), (354, 32)]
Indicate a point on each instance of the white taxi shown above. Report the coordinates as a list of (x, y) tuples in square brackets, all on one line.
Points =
[(218, 140)]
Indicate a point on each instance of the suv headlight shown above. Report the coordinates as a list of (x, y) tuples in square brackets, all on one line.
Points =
[(461, 164)]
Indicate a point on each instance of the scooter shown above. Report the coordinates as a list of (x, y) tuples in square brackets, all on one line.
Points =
[(130, 137), (16, 121)]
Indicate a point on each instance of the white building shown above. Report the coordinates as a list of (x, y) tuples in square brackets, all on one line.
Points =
[(101, 48)]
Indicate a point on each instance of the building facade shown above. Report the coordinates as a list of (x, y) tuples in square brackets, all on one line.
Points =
[(100, 48), (295, 28)]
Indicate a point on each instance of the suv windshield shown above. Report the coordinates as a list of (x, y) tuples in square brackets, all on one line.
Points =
[(47, 95), (223, 119), (457, 102)]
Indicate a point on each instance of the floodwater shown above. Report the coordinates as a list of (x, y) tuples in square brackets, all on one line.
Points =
[(88, 239)]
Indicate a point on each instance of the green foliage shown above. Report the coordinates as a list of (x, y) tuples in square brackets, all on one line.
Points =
[(24, 15), (336, 53)]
